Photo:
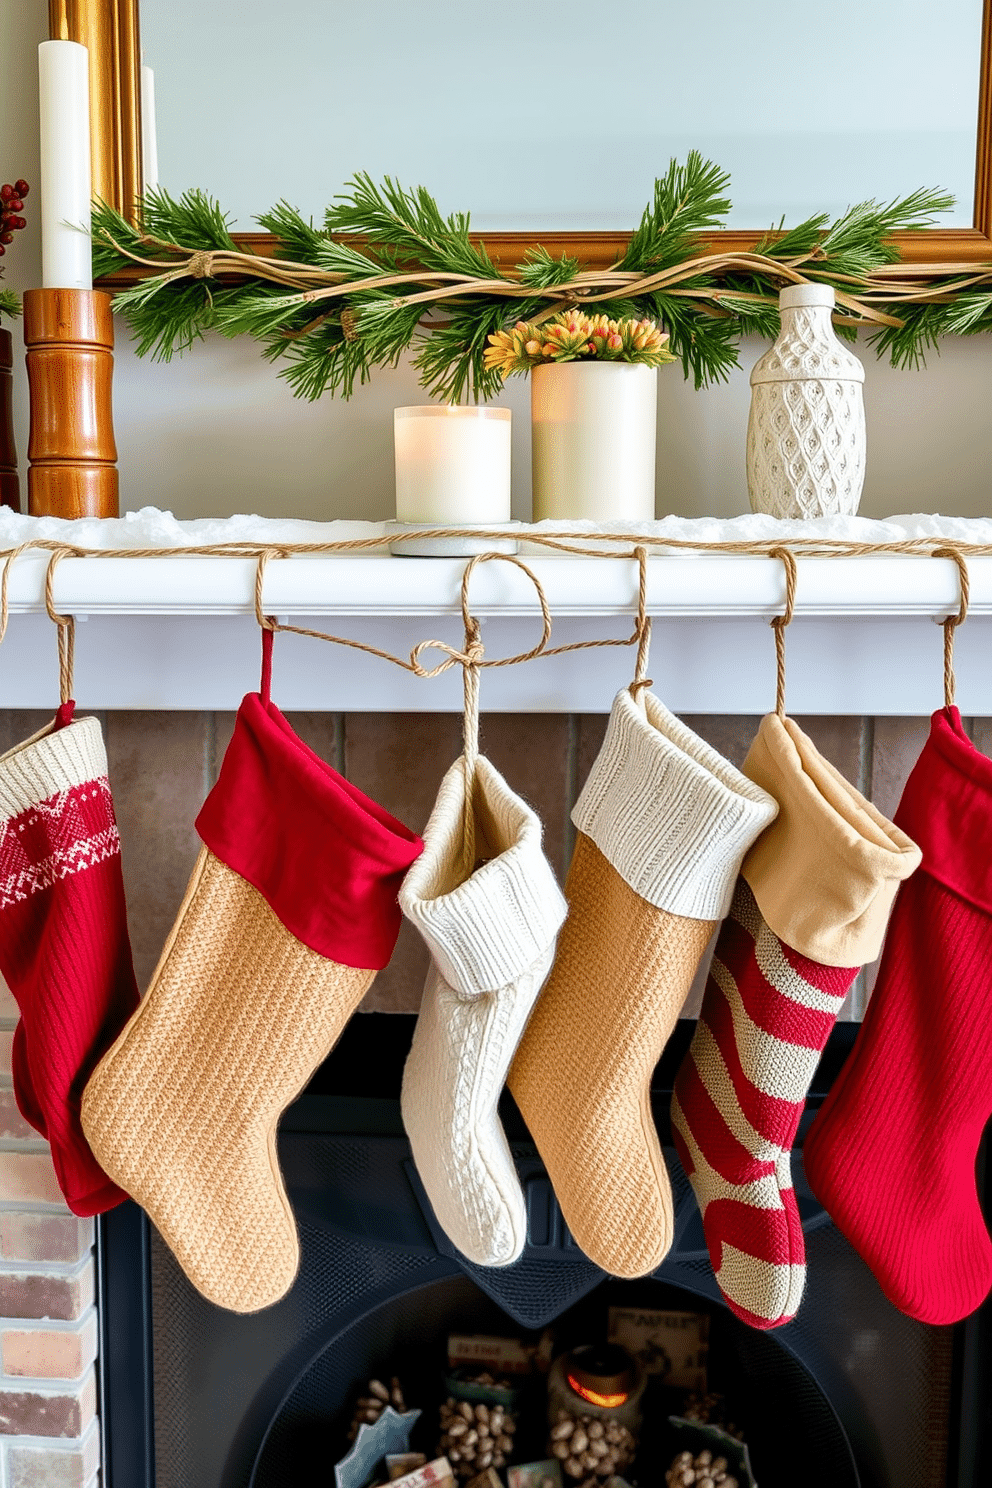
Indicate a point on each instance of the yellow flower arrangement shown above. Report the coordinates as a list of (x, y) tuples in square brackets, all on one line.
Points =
[(572, 336)]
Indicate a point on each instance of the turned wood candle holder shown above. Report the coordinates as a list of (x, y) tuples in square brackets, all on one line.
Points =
[(10, 490), (69, 336)]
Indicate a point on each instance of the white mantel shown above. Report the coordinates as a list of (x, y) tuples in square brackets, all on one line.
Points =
[(179, 632)]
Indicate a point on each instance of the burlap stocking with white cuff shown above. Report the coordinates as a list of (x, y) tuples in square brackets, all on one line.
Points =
[(491, 929), (291, 909), (663, 823)]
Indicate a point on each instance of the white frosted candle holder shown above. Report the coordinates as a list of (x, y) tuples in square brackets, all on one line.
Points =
[(452, 470)]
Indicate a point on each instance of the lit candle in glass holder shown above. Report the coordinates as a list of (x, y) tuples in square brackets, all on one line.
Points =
[(452, 466)]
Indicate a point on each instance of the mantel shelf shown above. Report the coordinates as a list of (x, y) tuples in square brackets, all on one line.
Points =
[(178, 632), (694, 585)]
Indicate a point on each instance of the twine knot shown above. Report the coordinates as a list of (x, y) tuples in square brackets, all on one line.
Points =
[(200, 265)]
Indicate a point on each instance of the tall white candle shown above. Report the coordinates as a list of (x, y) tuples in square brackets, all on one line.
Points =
[(452, 465), (149, 134), (64, 86)]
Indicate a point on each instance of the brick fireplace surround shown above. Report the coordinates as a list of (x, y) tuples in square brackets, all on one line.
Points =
[(161, 765)]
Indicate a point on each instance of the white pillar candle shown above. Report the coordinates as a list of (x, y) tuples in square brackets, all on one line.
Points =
[(64, 87), (149, 133), (452, 465)]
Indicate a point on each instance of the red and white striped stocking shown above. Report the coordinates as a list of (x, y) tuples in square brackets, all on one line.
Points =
[(810, 908)]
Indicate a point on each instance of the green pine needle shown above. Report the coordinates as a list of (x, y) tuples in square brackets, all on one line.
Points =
[(10, 303)]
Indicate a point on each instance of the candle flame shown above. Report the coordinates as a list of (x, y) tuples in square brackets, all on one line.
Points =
[(594, 1397)]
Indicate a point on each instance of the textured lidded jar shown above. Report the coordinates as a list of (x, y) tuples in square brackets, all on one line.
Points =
[(806, 431)]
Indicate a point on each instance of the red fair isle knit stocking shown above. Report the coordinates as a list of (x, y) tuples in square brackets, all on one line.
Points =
[(64, 947), (810, 908), (891, 1155)]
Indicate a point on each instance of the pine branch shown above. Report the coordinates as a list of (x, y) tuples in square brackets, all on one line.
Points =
[(193, 220), (540, 270), (706, 345), (10, 303), (687, 201), (861, 240), (409, 223), (451, 358), (165, 325), (260, 310), (321, 362), (110, 234), (304, 243), (923, 325)]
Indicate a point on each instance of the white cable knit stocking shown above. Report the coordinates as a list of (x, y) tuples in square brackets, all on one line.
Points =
[(491, 935)]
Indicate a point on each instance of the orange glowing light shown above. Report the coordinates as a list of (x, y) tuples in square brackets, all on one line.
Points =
[(594, 1397)]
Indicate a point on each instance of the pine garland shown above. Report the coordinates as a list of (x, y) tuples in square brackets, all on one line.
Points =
[(387, 273)]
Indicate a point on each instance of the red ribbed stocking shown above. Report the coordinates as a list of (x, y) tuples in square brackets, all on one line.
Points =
[(891, 1155)]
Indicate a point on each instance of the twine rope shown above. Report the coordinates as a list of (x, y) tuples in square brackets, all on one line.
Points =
[(890, 283), (780, 623), (953, 621)]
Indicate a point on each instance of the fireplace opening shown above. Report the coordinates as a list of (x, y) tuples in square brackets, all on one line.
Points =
[(786, 1419), (851, 1393)]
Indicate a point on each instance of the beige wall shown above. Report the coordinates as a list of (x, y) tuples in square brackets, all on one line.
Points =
[(218, 433)]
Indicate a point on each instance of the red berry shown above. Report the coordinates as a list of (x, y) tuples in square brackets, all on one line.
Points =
[(6, 192), (16, 205), (7, 237), (18, 222), (21, 187), (2, 250)]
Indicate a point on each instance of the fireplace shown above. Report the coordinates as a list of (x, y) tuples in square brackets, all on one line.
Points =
[(851, 1393)]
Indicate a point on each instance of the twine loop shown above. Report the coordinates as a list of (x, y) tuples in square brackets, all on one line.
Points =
[(66, 624), (952, 622), (780, 622), (5, 585), (267, 622), (642, 626)]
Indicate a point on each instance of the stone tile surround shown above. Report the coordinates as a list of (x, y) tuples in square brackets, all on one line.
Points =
[(161, 766)]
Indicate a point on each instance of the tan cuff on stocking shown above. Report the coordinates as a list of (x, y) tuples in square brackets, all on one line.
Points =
[(825, 873)]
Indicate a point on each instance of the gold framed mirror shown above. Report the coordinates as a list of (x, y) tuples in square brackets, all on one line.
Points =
[(110, 29)]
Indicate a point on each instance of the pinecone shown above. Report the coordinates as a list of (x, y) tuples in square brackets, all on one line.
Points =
[(370, 1407)]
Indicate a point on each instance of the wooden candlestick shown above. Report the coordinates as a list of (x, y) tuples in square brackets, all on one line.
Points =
[(69, 335), (10, 490)]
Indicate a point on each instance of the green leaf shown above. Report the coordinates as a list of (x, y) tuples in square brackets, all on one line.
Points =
[(10, 303)]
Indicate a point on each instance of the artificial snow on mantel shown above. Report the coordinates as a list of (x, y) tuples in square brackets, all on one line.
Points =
[(180, 632)]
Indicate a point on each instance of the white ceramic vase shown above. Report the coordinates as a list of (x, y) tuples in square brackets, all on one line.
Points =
[(593, 428), (806, 431)]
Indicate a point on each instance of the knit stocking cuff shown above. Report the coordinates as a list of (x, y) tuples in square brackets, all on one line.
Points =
[(486, 930), (672, 816), (946, 806), (49, 763), (326, 859), (826, 872)]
